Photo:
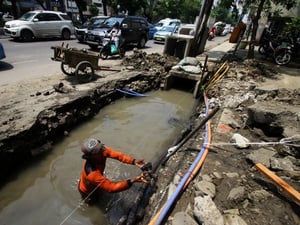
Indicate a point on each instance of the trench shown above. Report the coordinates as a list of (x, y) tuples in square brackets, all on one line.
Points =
[(46, 191)]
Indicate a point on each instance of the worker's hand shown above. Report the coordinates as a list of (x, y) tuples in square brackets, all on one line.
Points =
[(141, 178), (139, 162)]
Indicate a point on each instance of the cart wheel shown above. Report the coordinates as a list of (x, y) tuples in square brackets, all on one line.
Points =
[(70, 71), (84, 72)]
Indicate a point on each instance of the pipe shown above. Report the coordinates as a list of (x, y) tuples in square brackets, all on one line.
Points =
[(176, 147), (163, 212), (130, 92)]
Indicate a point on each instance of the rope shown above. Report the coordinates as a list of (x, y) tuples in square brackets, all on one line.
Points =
[(284, 141), (79, 204)]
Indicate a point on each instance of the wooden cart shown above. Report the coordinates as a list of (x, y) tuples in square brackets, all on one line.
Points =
[(76, 62)]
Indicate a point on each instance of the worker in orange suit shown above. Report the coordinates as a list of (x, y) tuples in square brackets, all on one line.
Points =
[(92, 179)]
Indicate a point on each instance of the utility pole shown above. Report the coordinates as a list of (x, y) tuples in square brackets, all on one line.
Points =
[(201, 33)]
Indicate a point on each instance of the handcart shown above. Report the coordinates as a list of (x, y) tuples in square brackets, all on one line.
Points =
[(77, 62)]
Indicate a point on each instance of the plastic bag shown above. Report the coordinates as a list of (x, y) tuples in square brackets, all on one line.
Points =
[(113, 49)]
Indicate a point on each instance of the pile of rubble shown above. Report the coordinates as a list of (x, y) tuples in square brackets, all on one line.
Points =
[(229, 188)]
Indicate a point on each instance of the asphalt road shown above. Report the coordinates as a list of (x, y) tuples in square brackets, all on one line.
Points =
[(33, 59)]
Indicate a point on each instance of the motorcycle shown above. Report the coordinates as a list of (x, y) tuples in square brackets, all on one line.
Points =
[(109, 49), (280, 49), (211, 34)]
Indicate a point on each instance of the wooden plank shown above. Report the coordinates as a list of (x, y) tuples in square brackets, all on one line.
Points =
[(293, 193)]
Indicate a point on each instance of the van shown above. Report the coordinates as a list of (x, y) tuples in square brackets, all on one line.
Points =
[(167, 22)]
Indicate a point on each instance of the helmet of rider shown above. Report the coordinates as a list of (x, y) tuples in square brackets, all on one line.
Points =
[(92, 146)]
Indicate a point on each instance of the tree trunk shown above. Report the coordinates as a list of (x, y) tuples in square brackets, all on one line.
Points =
[(254, 30), (80, 9), (201, 29), (15, 12)]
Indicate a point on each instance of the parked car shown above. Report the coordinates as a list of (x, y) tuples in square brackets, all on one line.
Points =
[(40, 24), (2, 52), (134, 30), (152, 30), (227, 29), (167, 22), (161, 35), (81, 31), (219, 28)]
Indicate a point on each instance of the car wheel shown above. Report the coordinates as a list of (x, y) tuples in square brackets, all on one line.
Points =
[(26, 35), (142, 42), (66, 35)]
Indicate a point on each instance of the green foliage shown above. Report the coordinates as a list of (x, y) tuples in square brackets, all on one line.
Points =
[(185, 10), (222, 14), (93, 9), (293, 28), (133, 7)]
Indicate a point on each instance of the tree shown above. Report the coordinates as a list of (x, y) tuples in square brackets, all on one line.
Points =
[(201, 29), (93, 9), (81, 5), (288, 4)]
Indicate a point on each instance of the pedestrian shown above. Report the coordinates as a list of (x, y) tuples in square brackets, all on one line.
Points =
[(92, 180)]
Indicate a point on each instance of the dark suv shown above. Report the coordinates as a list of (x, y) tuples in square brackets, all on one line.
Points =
[(134, 30)]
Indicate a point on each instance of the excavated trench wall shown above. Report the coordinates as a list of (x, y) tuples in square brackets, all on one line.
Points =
[(54, 123)]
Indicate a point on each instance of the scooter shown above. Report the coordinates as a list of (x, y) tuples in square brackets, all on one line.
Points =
[(109, 49), (279, 49), (211, 34)]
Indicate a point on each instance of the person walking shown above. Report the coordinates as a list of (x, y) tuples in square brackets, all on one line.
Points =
[(92, 180)]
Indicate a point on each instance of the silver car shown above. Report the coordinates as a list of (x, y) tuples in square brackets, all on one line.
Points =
[(40, 24)]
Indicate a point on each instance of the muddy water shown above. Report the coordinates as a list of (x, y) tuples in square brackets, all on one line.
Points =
[(46, 192)]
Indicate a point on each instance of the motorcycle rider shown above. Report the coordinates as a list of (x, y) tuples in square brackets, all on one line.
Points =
[(115, 34)]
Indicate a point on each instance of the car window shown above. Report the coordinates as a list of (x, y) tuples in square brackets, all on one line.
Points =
[(65, 16), (47, 17), (98, 21), (112, 20), (27, 16), (174, 23)]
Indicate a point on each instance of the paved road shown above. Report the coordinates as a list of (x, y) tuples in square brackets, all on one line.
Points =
[(32, 60)]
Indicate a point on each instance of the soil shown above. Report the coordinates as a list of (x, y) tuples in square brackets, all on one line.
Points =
[(247, 85)]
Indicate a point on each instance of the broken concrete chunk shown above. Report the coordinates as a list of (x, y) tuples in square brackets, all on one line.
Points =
[(240, 141)]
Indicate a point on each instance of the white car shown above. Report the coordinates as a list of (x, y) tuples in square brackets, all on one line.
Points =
[(227, 29), (40, 24)]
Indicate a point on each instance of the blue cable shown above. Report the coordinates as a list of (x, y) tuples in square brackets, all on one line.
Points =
[(180, 186), (130, 92)]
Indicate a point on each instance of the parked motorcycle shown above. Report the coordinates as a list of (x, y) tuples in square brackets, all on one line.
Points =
[(109, 49), (279, 48)]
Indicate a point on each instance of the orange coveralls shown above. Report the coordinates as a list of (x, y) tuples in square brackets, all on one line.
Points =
[(91, 178)]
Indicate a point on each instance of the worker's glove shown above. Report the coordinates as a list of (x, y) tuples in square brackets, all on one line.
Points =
[(139, 162), (141, 178)]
